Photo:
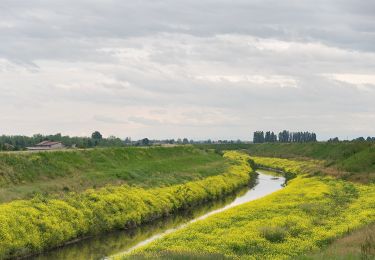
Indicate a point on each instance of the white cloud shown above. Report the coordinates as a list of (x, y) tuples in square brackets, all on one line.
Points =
[(270, 80), (357, 79)]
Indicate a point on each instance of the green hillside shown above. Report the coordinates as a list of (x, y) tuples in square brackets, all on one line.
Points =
[(24, 174)]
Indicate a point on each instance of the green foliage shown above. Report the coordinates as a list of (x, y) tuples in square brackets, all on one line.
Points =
[(96, 135), (29, 226), (18, 142), (274, 234)]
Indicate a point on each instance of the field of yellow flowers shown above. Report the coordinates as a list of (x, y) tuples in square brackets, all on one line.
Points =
[(307, 215), (31, 226)]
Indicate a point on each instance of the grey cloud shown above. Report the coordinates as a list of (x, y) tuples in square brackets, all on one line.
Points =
[(203, 68), (108, 119), (72, 29)]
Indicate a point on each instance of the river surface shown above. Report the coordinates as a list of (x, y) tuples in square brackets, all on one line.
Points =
[(122, 241)]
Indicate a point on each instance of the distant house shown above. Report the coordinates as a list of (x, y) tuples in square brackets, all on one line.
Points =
[(46, 145)]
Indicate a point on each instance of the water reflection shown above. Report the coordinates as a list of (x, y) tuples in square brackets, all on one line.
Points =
[(117, 242)]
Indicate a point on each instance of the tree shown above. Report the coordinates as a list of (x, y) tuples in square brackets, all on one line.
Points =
[(359, 139), (258, 137), (334, 140), (97, 135), (185, 141), (145, 141)]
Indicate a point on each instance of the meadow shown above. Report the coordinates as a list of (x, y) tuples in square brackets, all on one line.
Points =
[(306, 216), (23, 175), (34, 225)]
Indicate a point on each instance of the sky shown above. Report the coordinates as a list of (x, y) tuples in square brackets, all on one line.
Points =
[(200, 69)]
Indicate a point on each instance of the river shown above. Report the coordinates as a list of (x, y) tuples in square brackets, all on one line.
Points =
[(119, 242)]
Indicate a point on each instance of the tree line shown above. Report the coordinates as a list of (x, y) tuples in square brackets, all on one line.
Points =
[(283, 137), (20, 142), (359, 139)]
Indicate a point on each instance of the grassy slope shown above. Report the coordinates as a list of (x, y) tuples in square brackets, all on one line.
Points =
[(29, 226), (359, 244), (308, 214), (353, 161), (22, 175)]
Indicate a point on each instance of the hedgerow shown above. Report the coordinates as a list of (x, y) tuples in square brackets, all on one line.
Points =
[(30, 226)]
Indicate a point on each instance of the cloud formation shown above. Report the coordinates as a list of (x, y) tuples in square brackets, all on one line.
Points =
[(196, 69)]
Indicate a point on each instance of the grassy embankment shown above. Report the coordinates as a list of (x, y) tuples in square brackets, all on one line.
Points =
[(23, 175), (29, 226), (307, 215), (354, 161)]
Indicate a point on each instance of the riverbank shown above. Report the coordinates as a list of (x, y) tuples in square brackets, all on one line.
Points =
[(307, 215), (31, 226), (116, 243), (22, 176), (353, 161)]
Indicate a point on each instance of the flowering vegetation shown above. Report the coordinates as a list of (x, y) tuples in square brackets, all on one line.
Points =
[(288, 166), (308, 214), (29, 226)]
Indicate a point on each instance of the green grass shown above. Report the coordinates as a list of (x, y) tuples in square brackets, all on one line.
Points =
[(353, 161), (24, 175), (359, 244)]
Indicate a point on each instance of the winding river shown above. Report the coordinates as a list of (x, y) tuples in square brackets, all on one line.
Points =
[(119, 242)]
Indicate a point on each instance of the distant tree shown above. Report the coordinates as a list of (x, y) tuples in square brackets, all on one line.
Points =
[(145, 141), (96, 135), (127, 140), (185, 141), (334, 140), (296, 137), (258, 137), (273, 137), (267, 137), (284, 137), (359, 139)]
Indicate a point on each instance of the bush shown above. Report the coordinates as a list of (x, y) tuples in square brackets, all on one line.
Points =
[(274, 234)]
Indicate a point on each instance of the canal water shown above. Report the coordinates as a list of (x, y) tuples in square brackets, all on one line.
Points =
[(123, 241)]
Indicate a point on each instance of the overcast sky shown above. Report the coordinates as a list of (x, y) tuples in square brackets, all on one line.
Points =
[(217, 69)]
